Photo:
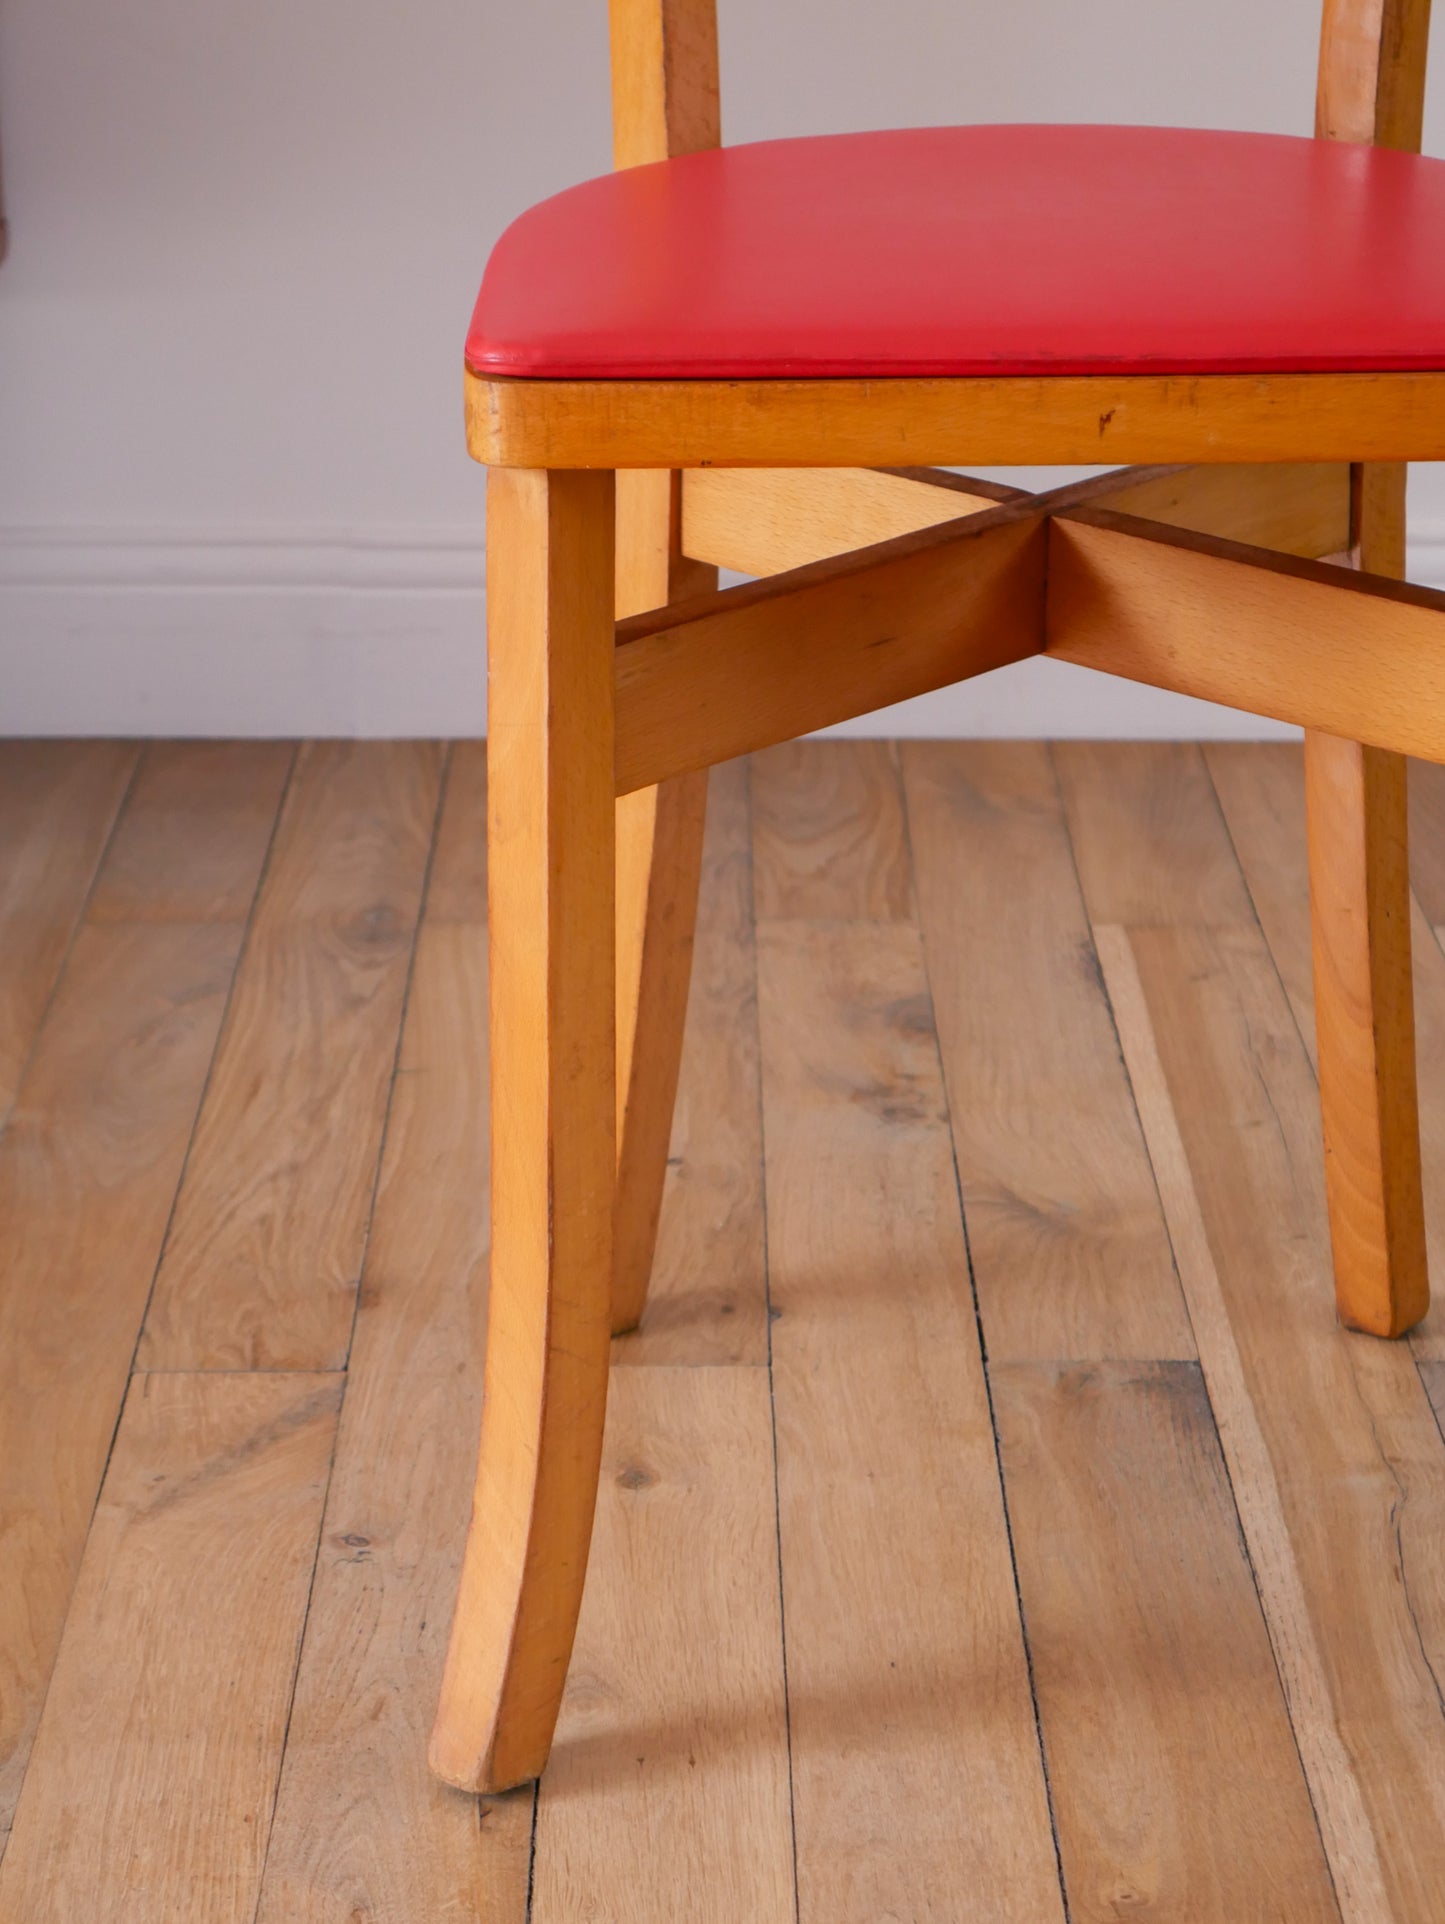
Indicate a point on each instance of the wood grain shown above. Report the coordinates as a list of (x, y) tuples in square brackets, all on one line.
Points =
[(1069, 1251), (1365, 1022), (88, 1169), (1331, 1447), (457, 887), (1301, 510), (1046, 421), (1176, 1784), (58, 805), (156, 1759), (659, 869), (754, 665), (1371, 89), (261, 1264), (1427, 838), (907, 1685), (659, 833), (763, 521), (1182, 869), (708, 1300), (829, 827), (1356, 808), (1170, 1786), (1297, 641), (1261, 789), (362, 1828), (664, 58), (553, 1150), (1148, 837), (675, 1703), (1433, 1376), (195, 831), (664, 103), (1372, 71), (664, 79)]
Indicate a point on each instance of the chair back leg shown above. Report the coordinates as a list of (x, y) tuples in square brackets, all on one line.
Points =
[(659, 864), (1364, 992)]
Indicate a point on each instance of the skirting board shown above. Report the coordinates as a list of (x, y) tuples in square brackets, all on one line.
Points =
[(315, 633)]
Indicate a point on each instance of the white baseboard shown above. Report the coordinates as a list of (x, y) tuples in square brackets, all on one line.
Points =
[(262, 632), (380, 633)]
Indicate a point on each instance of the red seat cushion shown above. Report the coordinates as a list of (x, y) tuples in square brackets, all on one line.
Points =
[(978, 250)]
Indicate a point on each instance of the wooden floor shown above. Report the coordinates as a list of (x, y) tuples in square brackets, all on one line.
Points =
[(995, 1527)]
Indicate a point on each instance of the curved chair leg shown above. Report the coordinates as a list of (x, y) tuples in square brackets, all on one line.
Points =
[(1364, 994), (550, 841), (659, 861)]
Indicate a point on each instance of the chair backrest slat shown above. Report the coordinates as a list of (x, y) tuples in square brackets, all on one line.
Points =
[(1372, 72), (664, 79)]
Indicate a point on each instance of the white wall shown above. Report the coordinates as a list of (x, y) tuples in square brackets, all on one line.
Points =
[(245, 236)]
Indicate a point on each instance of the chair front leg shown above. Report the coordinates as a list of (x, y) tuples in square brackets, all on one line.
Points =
[(551, 901)]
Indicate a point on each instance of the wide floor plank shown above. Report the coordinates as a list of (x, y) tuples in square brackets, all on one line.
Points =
[(362, 1829), (1068, 1246), (1147, 835), (918, 1785), (1261, 790), (261, 1266), (667, 1793), (1433, 1375), (1177, 1786), (156, 1760), (58, 804), (1333, 1453), (457, 887), (830, 832), (88, 1169), (906, 1601), (707, 1302), (195, 831)]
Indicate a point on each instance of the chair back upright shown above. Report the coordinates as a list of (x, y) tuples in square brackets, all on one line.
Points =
[(665, 75), (664, 79), (1372, 72)]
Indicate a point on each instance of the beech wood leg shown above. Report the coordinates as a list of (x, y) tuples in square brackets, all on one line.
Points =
[(1364, 993), (550, 840), (659, 862), (1365, 1022)]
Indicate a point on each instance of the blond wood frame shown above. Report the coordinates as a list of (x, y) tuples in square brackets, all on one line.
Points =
[(1012, 421), (882, 581)]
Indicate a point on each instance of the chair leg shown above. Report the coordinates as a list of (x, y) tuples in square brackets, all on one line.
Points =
[(659, 861), (550, 842), (1365, 1022), (1364, 993)]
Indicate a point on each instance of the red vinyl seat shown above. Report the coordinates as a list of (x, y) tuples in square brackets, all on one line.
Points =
[(978, 251)]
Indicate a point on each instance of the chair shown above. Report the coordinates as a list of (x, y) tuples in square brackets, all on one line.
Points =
[(740, 357)]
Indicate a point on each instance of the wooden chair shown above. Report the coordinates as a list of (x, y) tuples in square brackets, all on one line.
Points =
[(716, 343)]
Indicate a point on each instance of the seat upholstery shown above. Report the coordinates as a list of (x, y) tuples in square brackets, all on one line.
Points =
[(978, 251)]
